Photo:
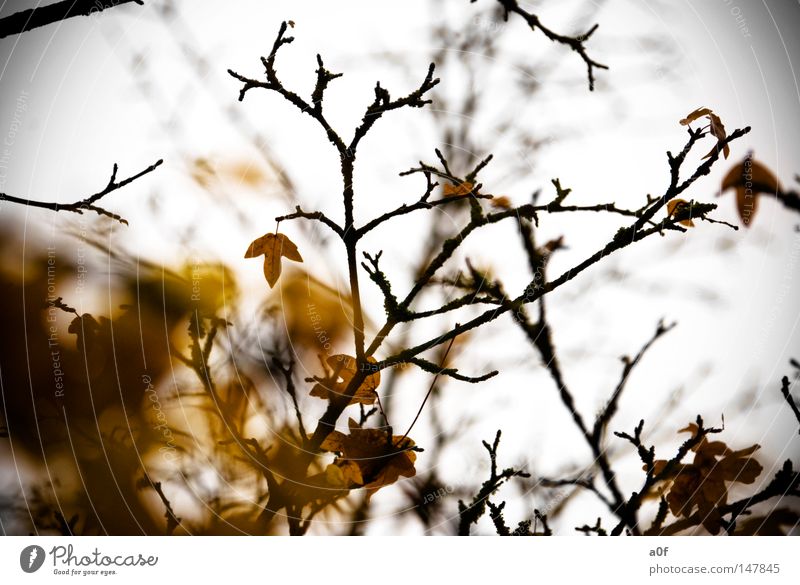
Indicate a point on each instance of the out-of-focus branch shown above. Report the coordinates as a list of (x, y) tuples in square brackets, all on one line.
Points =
[(287, 371), (576, 43), (605, 416), (173, 521), (32, 18), (789, 398), (596, 529), (789, 199)]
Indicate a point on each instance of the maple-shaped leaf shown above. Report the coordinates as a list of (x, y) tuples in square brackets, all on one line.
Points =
[(344, 368), (675, 205), (715, 126), (273, 247), (702, 485), (749, 178), (367, 458), (451, 190)]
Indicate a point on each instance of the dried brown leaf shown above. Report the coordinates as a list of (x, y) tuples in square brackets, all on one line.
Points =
[(344, 368), (673, 205), (451, 190), (698, 113), (748, 179), (715, 126), (501, 202), (702, 484), (273, 247)]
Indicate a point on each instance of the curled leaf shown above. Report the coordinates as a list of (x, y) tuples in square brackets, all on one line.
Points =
[(273, 247), (718, 130), (675, 205), (715, 126), (344, 368), (695, 115), (451, 190)]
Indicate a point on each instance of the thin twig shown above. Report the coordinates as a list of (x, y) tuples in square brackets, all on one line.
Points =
[(430, 389), (576, 43), (88, 203)]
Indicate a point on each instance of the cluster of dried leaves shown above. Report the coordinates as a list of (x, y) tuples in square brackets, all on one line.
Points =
[(368, 458), (702, 485), (748, 179)]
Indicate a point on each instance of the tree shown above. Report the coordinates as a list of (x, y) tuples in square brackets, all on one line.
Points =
[(292, 472)]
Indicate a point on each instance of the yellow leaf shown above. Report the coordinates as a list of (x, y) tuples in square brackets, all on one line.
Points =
[(748, 179), (206, 286), (715, 126), (335, 476), (245, 172), (317, 315), (273, 247), (698, 113), (272, 268), (501, 202), (202, 172), (674, 205), (450, 190)]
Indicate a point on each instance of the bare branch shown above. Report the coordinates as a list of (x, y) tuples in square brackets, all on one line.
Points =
[(604, 418), (313, 215), (576, 43), (470, 514), (88, 203)]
